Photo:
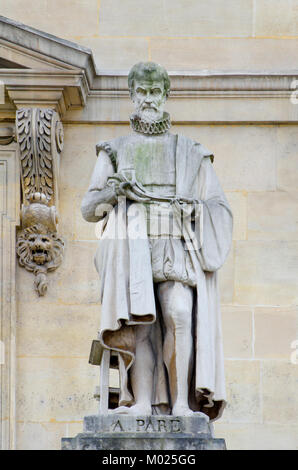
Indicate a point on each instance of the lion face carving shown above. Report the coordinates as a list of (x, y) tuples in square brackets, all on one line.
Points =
[(39, 253), (39, 249)]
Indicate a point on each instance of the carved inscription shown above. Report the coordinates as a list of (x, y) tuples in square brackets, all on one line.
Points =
[(117, 426), (150, 424)]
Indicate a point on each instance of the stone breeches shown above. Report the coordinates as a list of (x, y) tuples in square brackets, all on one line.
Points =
[(171, 261)]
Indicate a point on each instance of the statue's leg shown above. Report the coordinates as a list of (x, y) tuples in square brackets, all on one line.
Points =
[(141, 374), (176, 301), (142, 371)]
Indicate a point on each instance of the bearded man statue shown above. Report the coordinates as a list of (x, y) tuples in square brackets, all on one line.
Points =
[(167, 229)]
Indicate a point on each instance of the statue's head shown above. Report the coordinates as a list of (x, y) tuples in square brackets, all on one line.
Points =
[(149, 87)]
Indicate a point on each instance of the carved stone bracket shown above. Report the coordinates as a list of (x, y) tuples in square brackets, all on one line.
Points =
[(7, 135), (40, 138)]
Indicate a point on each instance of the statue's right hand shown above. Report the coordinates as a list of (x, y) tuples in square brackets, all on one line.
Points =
[(120, 189)]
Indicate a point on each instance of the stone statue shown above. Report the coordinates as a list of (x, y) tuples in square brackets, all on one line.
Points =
[(166, 230)]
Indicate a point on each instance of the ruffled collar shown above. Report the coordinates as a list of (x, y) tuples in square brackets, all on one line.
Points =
[(151, 128)]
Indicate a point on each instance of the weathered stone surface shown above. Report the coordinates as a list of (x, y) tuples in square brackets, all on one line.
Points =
[(280, 398), (77, 281), (249, 167), (79, 155), (238, 203), (225, 54), (117, 53), (44, 435), (287, 158), (276, 18), (275, 330), (102, 442), (161, 432), (266, 272), (252, 436), (55, 388), (272, 215), (147, 424), (40, 436), (68, 285), (50, 322), (226, 279), (45, 16), (174, 18), (243, 392), (237, 331)]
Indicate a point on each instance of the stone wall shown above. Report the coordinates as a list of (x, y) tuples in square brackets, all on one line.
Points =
[(257, 165), (180, 34)]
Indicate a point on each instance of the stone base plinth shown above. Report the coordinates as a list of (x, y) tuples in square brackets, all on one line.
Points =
[(158, 432)]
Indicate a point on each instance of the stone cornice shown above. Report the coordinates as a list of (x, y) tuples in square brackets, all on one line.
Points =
[(60, 90), (211, 81), (200, 97), (69, 89)]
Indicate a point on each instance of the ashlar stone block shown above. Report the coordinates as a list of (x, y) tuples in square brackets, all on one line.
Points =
[(239, 167), (55, 18), (226, 279), (175, 18), (276, 330), (117, 53), (276, 18), (68, 285), (266, 272), (272, 215), (238, 203), (252, 436), (280, 398), (237, 331), (230, 54), (287, 161), (51, 330), (243, 392), (57, 388)]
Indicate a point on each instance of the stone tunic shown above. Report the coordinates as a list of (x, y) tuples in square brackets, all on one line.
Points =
[(153, 161)]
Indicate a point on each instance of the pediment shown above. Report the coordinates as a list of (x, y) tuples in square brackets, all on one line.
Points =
[(42, 70), (8, 64), (13, 56)]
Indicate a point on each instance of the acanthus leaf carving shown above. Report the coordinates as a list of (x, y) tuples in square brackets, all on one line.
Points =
[(40, 138)]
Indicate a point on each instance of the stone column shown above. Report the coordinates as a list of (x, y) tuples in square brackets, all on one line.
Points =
[(9, 219)]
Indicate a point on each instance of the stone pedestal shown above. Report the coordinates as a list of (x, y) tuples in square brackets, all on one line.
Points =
[(158, 432)]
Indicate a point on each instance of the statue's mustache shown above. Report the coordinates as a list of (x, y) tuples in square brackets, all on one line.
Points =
[(149, 106)]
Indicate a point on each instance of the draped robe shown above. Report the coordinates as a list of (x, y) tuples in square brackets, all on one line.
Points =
[(127, 288)]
